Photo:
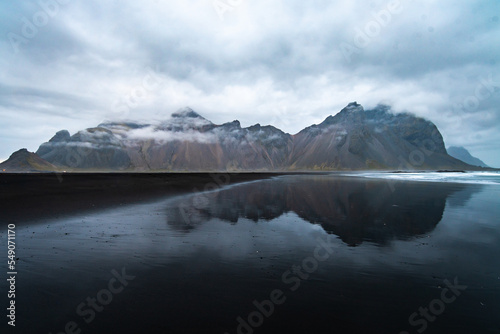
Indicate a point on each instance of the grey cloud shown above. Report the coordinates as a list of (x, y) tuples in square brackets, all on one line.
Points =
[(276, 63)]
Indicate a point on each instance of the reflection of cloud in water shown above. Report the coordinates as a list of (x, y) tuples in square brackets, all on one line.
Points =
[(355, 210)]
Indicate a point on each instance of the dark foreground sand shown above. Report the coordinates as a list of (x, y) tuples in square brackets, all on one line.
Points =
[(28, 197), (206, 263)]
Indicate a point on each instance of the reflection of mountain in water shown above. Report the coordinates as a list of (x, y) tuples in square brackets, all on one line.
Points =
[(355, 210), (461, 197)]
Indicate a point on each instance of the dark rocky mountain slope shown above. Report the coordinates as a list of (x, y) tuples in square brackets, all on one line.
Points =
[(24, 161), (372, 139), (462, 154), (352, 139)]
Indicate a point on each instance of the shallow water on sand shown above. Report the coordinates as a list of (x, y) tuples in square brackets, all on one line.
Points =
[(293, 254)]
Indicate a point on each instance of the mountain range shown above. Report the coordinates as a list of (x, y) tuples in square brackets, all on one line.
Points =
[(353, 139), (24, 161), (463, 154)]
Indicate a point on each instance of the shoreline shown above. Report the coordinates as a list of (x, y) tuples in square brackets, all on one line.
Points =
[(37, 196), (29, 196)]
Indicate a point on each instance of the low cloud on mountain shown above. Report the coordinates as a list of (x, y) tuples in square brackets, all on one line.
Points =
[(150, 133)]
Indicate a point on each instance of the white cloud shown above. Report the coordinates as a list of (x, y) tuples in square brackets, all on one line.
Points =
[(151, 133)]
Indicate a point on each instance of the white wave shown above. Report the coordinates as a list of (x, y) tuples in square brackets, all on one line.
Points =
[(452, 177)]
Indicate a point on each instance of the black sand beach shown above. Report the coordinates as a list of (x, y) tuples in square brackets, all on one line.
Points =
[(129, 253), (32, 196)]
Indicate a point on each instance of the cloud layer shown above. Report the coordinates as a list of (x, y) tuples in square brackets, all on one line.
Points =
[(73, 64)]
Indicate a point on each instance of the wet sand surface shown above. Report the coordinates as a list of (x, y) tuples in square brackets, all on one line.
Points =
[(28, 197), (275, 254)]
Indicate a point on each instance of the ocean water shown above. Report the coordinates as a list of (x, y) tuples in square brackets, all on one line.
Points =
[(453, 177), (356, 253)]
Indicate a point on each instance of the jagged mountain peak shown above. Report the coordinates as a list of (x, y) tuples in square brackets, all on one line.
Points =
[(255, 127), (186, 112), (21, 152), (184, 119), (232, 125), (266, 128), (61, 136), (352, 139), (352, 107), (25, 161), (461, 153), (351, 112)]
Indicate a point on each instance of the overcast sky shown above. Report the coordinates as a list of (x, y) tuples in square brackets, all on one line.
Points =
[(286, 63)]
